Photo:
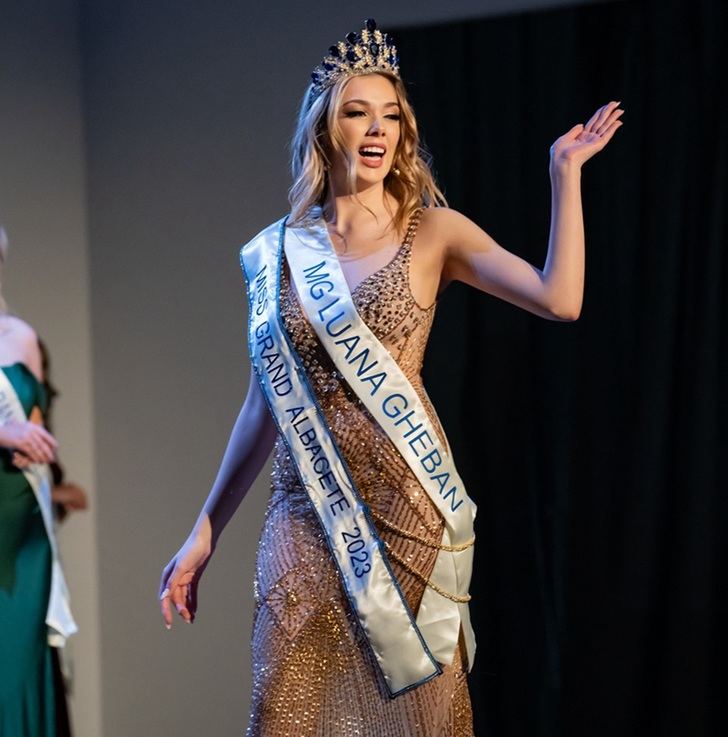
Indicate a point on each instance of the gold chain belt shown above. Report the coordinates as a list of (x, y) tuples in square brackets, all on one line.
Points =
[(424, 579), (411, 536)]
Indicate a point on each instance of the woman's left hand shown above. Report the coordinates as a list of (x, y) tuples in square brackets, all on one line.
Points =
[(20, 460), (70, 496), (583, 141)]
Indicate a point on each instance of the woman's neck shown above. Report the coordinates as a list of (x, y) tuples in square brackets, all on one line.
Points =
[(346, 212)]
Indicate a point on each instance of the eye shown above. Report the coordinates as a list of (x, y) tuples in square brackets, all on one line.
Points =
[(394, 116), (354, 113)]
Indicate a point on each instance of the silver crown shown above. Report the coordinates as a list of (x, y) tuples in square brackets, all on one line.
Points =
[(365, 52)]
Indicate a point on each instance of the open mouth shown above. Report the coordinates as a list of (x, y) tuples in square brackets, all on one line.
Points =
[(372, 152)]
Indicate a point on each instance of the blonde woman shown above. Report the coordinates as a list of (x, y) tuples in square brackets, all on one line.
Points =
[(365, 557), (33, 600)]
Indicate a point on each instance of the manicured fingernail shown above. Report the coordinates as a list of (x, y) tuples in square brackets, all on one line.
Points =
[(168, 626), (164, 594)]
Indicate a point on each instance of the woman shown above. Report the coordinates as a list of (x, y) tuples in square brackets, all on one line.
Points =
[(361, 622), (34, 612)]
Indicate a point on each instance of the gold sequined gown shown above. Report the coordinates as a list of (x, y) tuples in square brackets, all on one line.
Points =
[(313, 673)]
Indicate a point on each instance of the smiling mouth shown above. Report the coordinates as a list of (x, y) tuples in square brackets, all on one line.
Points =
[(372, 152)]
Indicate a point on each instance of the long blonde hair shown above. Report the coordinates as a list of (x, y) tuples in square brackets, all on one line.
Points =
[(318, 133)]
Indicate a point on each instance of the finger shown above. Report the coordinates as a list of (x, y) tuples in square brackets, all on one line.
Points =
[(47, 443), (45, 454), (607, 135), (35, 455), (599, 116), (20, 460), (28, 449), (614, 115), (574, 132), (606, 111), (590, 123), (41, 447), (47, 437), (179, 598), (163, 581), (166, 611), (164, 595), (182, 597), (42, 451), (599, 143), (188, 601)]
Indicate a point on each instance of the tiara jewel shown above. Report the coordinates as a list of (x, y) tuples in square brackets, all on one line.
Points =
[(365, 52)]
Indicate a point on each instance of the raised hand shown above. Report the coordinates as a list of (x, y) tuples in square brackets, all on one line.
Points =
[(583, 141)]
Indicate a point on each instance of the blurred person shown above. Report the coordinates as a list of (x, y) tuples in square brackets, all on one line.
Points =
[(35, 616)]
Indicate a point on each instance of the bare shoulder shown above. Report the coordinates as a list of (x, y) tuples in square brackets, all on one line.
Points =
[(439, 229), (18, 329), (440, 217), (23, 341), (435, 224), (446, 226), (429, 241)]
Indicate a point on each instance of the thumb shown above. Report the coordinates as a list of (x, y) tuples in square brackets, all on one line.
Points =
[(573, 132)]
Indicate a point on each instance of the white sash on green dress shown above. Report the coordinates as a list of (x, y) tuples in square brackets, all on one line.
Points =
[(58, 615)]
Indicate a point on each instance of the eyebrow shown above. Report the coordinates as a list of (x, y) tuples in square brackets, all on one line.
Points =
[(364, 102)]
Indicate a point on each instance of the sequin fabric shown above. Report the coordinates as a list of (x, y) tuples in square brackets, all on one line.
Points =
[(313, 672)]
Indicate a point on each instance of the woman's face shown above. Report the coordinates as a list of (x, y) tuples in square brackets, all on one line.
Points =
[(369, 124)]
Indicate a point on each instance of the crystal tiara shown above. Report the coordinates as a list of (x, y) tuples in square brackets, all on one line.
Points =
[(365, 52)]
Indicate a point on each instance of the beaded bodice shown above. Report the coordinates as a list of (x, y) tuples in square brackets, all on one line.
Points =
[(386, 304)]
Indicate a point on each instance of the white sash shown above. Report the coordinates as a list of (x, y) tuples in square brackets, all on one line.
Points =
[(380, 384), (376, 599), (58, 615)]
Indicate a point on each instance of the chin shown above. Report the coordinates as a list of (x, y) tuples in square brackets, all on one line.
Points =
[(372, 176)]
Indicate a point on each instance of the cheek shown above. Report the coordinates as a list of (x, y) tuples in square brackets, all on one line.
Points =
[(350, 132)]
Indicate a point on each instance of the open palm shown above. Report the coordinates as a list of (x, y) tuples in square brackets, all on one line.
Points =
[(583, 141)]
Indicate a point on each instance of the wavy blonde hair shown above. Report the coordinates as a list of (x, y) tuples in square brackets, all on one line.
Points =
[(318, 134)]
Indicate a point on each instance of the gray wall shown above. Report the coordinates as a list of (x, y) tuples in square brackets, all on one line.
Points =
[(43, 206), (187, 110)]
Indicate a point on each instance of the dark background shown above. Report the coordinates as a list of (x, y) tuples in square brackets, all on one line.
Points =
[(595, 450)]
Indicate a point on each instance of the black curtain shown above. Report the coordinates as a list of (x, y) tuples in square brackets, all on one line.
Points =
[(596, 450)]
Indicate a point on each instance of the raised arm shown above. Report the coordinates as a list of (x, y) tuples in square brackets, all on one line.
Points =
[(556, 291), (251, 441)]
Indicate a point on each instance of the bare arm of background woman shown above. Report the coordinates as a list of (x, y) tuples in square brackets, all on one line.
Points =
[(29, 440), (251, 441)]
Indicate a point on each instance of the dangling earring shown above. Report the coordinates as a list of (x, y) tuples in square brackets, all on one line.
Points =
[(396, 171)]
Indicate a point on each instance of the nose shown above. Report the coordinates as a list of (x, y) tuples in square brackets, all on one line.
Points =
[(376, 128)]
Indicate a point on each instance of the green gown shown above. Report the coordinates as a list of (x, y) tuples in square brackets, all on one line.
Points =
[(27, 703)]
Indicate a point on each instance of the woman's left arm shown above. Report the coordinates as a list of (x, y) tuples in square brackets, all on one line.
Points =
[(556, 292)]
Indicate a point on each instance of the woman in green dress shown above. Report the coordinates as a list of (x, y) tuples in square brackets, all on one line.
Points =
[(27, 563)]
